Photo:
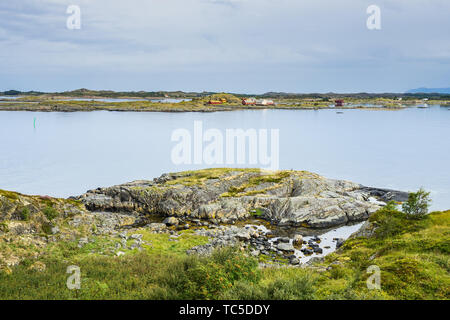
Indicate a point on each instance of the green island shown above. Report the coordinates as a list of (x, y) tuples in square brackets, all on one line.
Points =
[(125, 250), (90, 100)]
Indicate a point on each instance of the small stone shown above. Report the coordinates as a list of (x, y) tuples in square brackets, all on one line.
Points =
[(243, 235), (285, 247), (120, 253), (318, 250), (283, 239), (123, 235), (171, 221), (82, 242), (339, 242), (55, 230)]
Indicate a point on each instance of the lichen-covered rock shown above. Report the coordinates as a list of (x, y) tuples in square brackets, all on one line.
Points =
[(295, 198), (367, 230)]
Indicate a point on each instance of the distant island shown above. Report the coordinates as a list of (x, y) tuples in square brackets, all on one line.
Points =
[(430, 90), (180, 101)]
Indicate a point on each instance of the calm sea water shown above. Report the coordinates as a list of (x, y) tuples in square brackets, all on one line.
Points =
[(64, 154)]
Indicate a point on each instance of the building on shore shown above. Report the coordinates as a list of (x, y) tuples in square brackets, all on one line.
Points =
[(339, 103)]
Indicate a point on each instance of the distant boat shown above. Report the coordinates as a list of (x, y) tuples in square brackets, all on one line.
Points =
[(339, 112)]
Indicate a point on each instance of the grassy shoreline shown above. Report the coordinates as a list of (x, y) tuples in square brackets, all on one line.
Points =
[(46, 103), (412, 254)]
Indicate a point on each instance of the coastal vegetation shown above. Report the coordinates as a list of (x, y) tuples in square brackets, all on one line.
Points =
[(89, 100), (40, 237), (413, 259)]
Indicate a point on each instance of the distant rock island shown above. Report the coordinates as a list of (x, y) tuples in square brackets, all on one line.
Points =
[(429, 90)]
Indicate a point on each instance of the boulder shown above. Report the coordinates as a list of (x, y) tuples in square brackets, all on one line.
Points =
[(171, 221), (293, 198), (285, 247), (339, 242), (156, 227)]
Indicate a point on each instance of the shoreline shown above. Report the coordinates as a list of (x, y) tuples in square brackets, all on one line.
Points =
[(35, 107), (209, 103)]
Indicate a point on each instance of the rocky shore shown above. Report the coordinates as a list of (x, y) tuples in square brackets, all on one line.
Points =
[(284, 198), (153, 242), (276, 216)]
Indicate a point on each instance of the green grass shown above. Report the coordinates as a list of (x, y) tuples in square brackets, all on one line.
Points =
[(190, 178), (160, 243), (413, 256), (9, 194), (138, 276)]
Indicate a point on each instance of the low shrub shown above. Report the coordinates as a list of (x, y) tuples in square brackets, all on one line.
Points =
[(50, 213)]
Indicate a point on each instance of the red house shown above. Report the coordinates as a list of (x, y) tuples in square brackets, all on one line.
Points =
[(339, 103)]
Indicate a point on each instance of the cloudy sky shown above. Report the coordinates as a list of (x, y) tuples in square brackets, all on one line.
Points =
[(251, 46)]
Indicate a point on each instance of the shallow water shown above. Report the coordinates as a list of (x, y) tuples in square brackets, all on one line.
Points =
[(9, 97), (128, 100), (327, 242), (105, 99), (69, 153), (170, 100)]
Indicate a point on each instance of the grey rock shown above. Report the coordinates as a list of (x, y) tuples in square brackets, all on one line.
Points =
[(136, 236), (317, 250), (156, 227), (82, 242), (171, 221), (55, 230), (367, 230), (298, 199), (123, 235), (285, 247), (283, 239), (315, 260), (244, 235)]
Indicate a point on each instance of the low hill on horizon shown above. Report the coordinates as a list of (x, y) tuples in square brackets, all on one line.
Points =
[(430, 90)]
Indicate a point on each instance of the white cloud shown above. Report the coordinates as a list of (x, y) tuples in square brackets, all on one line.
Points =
[(287, 37)]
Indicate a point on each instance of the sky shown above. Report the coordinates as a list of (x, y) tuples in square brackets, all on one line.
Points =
[(242, 46)]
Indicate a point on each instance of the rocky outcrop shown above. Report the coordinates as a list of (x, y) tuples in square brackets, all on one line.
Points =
[(291, 198)]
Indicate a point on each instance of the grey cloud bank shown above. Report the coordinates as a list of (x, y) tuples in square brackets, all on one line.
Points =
[(240, 45)]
